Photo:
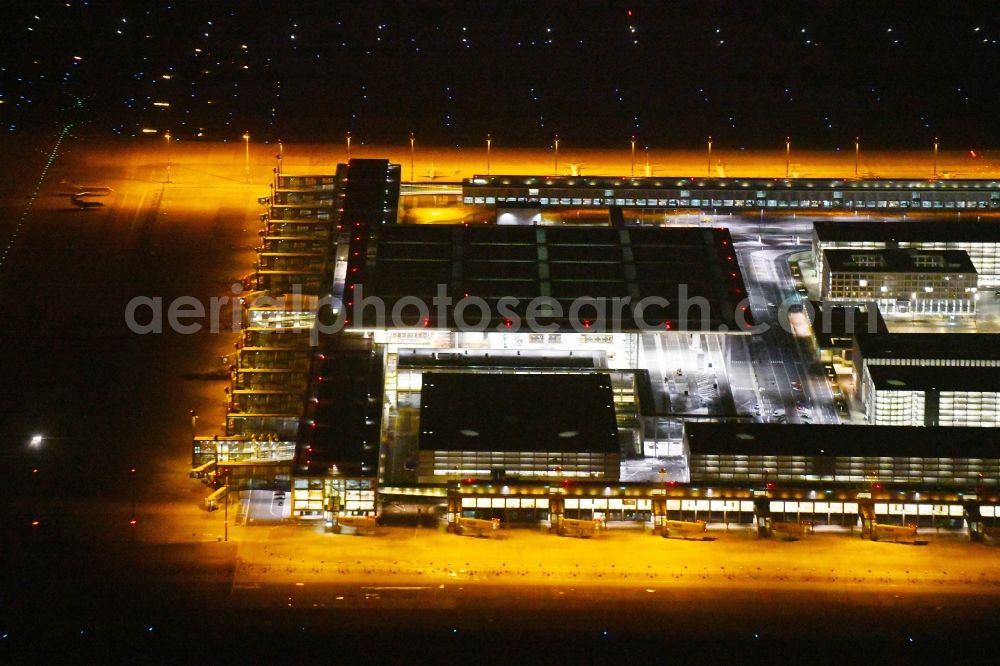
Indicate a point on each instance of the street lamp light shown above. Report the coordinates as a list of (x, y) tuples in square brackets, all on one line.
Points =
[(348, 138), (935, 156), (246, 140), (489, 143), (194, 423), (555, 141), (710, 156), (36, 441), (788, 154), (632, 141), (131, 484), (412, 148), (857, 153), (167, 137)]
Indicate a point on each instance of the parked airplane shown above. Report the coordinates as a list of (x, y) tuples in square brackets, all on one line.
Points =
[(84, 204), (433, 174), (85, 190)]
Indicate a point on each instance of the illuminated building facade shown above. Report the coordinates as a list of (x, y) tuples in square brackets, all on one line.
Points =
[(762, 452), (916, 379), (902, 281), (733, 193), (542, 303), (980, 239), (558, 425), (370, 417), (299, 227)]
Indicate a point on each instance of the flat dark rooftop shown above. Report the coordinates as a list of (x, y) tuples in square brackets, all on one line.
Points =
[(835, 324), (345, 413), (898, 261), (371, 194), (774, 439), (494, 359), (927, 377), (966, 231), (957, 346), (560, 263), (508, 412)]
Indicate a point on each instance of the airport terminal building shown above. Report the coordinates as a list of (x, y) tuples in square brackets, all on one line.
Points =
[(979, 239), (917, 379), (539, 306), (940, 477), (519, 371), (733, 193), (940, 282), (751, 453), (549, 426), (440, 324)]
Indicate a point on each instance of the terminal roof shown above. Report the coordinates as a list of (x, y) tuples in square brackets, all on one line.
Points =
[(899, 261), (371, 193), (514, 412), (694, 269), (342, 421), (956, 346), (966, 231), (930, 377), (492, 359), (835, 324), (772, 439)]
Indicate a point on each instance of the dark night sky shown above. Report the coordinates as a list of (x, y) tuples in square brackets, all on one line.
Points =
[(671, 72)]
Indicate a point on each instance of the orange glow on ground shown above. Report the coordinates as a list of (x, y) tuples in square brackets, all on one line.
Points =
[(432, 164)]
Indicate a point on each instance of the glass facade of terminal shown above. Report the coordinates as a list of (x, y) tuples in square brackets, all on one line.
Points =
[(316, 498), (969, 408), (922, 293), (901, 281), (439, 466), (299, 228), (270, 372), (935, 362), (985, 256), (851, 469), (242, 450), (899, 406), (732, 193), (846, 513)]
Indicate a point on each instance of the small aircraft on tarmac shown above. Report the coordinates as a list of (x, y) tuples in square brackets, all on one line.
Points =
[(85, 190), (83, 204), (433, 174)]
